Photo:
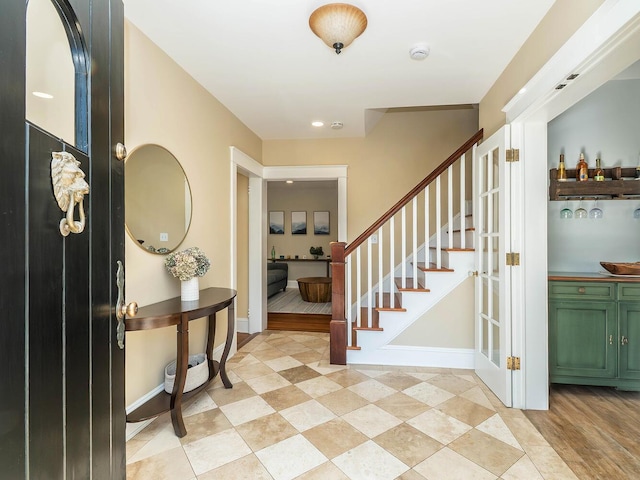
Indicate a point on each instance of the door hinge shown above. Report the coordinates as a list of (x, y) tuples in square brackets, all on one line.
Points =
[(513, 259), (513, 363), (513, 155)]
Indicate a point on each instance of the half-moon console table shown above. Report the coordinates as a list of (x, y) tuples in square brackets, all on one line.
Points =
[(175, 312)]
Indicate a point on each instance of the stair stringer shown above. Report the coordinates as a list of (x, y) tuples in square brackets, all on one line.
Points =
[(374, 345)]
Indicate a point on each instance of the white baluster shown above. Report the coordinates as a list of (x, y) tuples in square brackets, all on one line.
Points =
[(348, 287), (403, 260), (369, 282), (380, 267), (392, 254), (426, 230), (463, 210), (415, 242), (450, 206), (358, 288), (438, 225)]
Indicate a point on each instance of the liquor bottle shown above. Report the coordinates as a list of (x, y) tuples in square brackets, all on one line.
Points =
[(562, 173), (598, 174), (582, 170), (273, 253)]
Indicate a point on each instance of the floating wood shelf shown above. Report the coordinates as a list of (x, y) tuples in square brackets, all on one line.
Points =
[(619, 184)]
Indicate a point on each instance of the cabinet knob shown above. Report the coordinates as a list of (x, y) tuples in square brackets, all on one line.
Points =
[(610, 339), (581, 290), (624, 340)]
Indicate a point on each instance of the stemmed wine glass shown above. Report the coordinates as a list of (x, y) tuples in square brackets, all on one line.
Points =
[(596, 212), (580, 211), (566, 211)]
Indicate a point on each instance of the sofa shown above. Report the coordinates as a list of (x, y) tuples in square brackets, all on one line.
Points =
[(277, 277)]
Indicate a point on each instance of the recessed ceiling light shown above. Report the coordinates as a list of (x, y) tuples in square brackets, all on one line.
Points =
[(317, 123), (522, 91), (43, 95), (289, 181)]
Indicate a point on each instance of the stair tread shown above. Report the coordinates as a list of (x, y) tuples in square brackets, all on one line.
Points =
[(410, 285), (371, 329), (353, 347), (433, 268), (386, 303), (468, 229), (455, 249)]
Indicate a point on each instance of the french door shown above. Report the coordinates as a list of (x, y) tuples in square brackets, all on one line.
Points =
[(493, 280)]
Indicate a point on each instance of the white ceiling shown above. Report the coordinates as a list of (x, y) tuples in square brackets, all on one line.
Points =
[(263, 62)]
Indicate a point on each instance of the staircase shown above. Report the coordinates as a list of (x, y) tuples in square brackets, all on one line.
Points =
[(404, 264)]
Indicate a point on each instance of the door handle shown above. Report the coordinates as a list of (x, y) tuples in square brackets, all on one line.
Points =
[(122, 308), (624, 340)]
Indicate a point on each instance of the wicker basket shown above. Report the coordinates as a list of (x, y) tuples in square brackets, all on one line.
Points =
[(197, 373)]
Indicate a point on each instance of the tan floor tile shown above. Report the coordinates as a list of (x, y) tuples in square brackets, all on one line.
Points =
[(282, 465), (198, 404), (225, 396), (347, 377), (436, 424), (283, 363), (170, 465), (319, 386), (476, 395), (402, 406), (526, 434), (216, 450), (342, 401), (487, 451), (133, 445), (267, 383), (549, 463), (370, 462), (316, 343), (252, 371), (307, 415), (245, 468), (204, 424), (452, 383), (299, 374), (372, 390), (164, 440), (246, 410), (334, 437), (410, 475), (308, 357), (408, 444), (522, 469), (326, 471), (496, 427), (371, 420), (292, 348), (266, 431), (446, 464), (398, 380), (429, 394), (466, 411), (277, 340), (285, 397), (269, 354)]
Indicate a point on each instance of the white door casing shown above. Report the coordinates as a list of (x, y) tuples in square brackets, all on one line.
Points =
[(492, 205)]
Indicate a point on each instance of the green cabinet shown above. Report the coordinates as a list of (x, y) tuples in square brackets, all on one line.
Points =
[(594, 333)]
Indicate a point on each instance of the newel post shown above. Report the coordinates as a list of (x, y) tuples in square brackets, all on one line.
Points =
[(338, 325)]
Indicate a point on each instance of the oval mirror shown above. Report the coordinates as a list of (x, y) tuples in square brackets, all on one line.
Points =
[(157, 199)]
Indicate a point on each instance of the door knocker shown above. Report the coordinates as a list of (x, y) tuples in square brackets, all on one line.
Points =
[(69, 188)]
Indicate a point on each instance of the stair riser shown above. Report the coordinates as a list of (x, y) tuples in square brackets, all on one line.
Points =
[(457, 243)]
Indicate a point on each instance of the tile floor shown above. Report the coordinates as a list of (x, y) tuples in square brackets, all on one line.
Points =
[(291, 415)]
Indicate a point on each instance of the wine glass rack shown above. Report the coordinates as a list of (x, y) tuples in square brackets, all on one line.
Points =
[(619, 184)]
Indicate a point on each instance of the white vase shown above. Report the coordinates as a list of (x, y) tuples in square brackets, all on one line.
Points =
[(190, 290)]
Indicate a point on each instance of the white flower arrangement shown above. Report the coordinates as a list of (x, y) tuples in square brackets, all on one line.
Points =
[(187, 264)]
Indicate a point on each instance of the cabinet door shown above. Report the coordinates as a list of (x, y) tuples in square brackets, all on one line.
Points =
[(629, 340), (582, 340)]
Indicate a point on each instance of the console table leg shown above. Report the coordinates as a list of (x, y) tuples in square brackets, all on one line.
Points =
[(227, 347), (182, 361)]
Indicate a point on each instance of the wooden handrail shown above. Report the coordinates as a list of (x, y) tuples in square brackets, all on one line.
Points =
[(415, 191)]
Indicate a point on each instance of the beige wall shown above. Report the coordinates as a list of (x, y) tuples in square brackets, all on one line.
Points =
[(402, 149), (165, 106), (558, 25), (242, 247), (449, 324)]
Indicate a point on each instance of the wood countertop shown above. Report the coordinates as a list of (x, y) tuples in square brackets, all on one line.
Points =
[(591, 277)]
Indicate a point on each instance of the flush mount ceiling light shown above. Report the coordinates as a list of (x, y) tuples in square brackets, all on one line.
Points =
[(317, 123), (338, 24), (419, 52), (337, 125)]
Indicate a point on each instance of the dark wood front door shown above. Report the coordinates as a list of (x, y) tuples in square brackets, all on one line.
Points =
[(61, 371)]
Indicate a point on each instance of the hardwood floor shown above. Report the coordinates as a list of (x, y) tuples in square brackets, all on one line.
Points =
[(596, 430), (302, 322)]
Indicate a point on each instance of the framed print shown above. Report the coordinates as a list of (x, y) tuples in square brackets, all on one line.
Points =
[(276, 223), (321, 223), (298, 223)]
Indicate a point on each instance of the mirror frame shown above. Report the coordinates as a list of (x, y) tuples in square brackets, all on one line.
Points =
[(126, 225)]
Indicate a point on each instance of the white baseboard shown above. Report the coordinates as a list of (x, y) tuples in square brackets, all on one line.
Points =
[(292, 284), (242, 325), (403, 355), (133, 428)]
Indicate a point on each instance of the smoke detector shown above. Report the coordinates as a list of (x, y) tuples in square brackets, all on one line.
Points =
[(419, 52), (336, 125)]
